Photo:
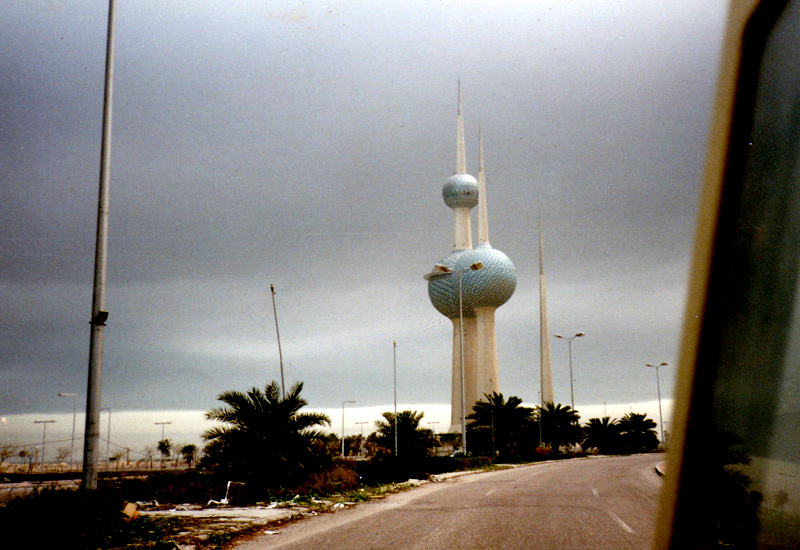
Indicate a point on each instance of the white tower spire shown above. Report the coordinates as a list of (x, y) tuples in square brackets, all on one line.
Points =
[(460, 191), (461, 149), (544, 329), (483, 216)]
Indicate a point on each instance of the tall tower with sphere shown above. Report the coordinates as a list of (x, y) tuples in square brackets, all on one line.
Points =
[(469, 284)]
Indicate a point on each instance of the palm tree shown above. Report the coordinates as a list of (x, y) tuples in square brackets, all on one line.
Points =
[(164, 447), (413, 442), (603, 434), (638, 433), (263, 438), (499, 427), (559, 425), (188, 452)]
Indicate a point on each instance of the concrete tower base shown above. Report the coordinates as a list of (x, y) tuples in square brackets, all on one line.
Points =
[(487, 372)]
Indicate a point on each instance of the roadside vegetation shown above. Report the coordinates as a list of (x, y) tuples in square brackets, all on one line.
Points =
[(265, 450)]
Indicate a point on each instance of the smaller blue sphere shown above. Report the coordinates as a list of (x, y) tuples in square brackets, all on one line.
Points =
[(460, 190)]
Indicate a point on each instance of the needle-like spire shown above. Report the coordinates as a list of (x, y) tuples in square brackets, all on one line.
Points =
[(483, 216), (461, 152), (546, 368)]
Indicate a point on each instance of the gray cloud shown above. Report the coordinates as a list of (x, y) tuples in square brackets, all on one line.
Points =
[(306, 146)]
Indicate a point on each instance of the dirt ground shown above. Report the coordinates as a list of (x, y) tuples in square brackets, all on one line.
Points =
[(203, 526)]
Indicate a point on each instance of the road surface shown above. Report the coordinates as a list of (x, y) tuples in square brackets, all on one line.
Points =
[(593, 504)]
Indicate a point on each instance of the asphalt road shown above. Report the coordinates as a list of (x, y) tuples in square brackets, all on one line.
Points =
[(593, 504)]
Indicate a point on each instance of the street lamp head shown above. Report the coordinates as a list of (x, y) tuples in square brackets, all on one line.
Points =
[(438, 271), (61, 394), (579, 335), (476, 266)]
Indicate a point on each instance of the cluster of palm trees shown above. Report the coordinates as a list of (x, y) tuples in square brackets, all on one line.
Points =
[(262, 435), (507, 430)]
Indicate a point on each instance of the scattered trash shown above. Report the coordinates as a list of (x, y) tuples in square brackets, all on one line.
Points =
[(224, 501), (268, 532), (272, 505), (130, 511), (338, 505), (147, 503)]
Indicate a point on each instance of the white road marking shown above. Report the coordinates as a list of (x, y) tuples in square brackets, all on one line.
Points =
[(489, 493), (621, 523)]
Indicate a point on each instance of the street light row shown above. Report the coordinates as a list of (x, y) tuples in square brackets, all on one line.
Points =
[(74, 397)]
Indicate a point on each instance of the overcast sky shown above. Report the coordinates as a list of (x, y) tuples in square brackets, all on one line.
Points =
[(305, 145)]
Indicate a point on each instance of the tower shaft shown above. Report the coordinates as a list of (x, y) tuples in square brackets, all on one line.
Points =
[(463, 229), (487, 373), (470, 366)]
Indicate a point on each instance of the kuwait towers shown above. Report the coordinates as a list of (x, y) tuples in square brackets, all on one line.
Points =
[(468, 286)]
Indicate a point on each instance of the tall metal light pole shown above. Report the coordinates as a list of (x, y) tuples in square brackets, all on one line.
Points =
[(658, 386), (362, 437), (162, 424), (74, 397), (278, 332), (569, 342), (99, 314), (44, 436), (394, 370), (343, 402), (444, 270)]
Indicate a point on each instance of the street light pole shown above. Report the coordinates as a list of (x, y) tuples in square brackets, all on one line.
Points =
[(44, 436), (278, 332), (362, 437), (162, 424), (74, 397), (343, 402), (658, 386), (97, 322), (440, 270), (569, 342)]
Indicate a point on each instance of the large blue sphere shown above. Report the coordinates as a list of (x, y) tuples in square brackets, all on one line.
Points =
[(460, 190), (490, 286)]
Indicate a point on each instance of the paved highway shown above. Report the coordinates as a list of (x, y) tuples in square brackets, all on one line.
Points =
[(593, 504)]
